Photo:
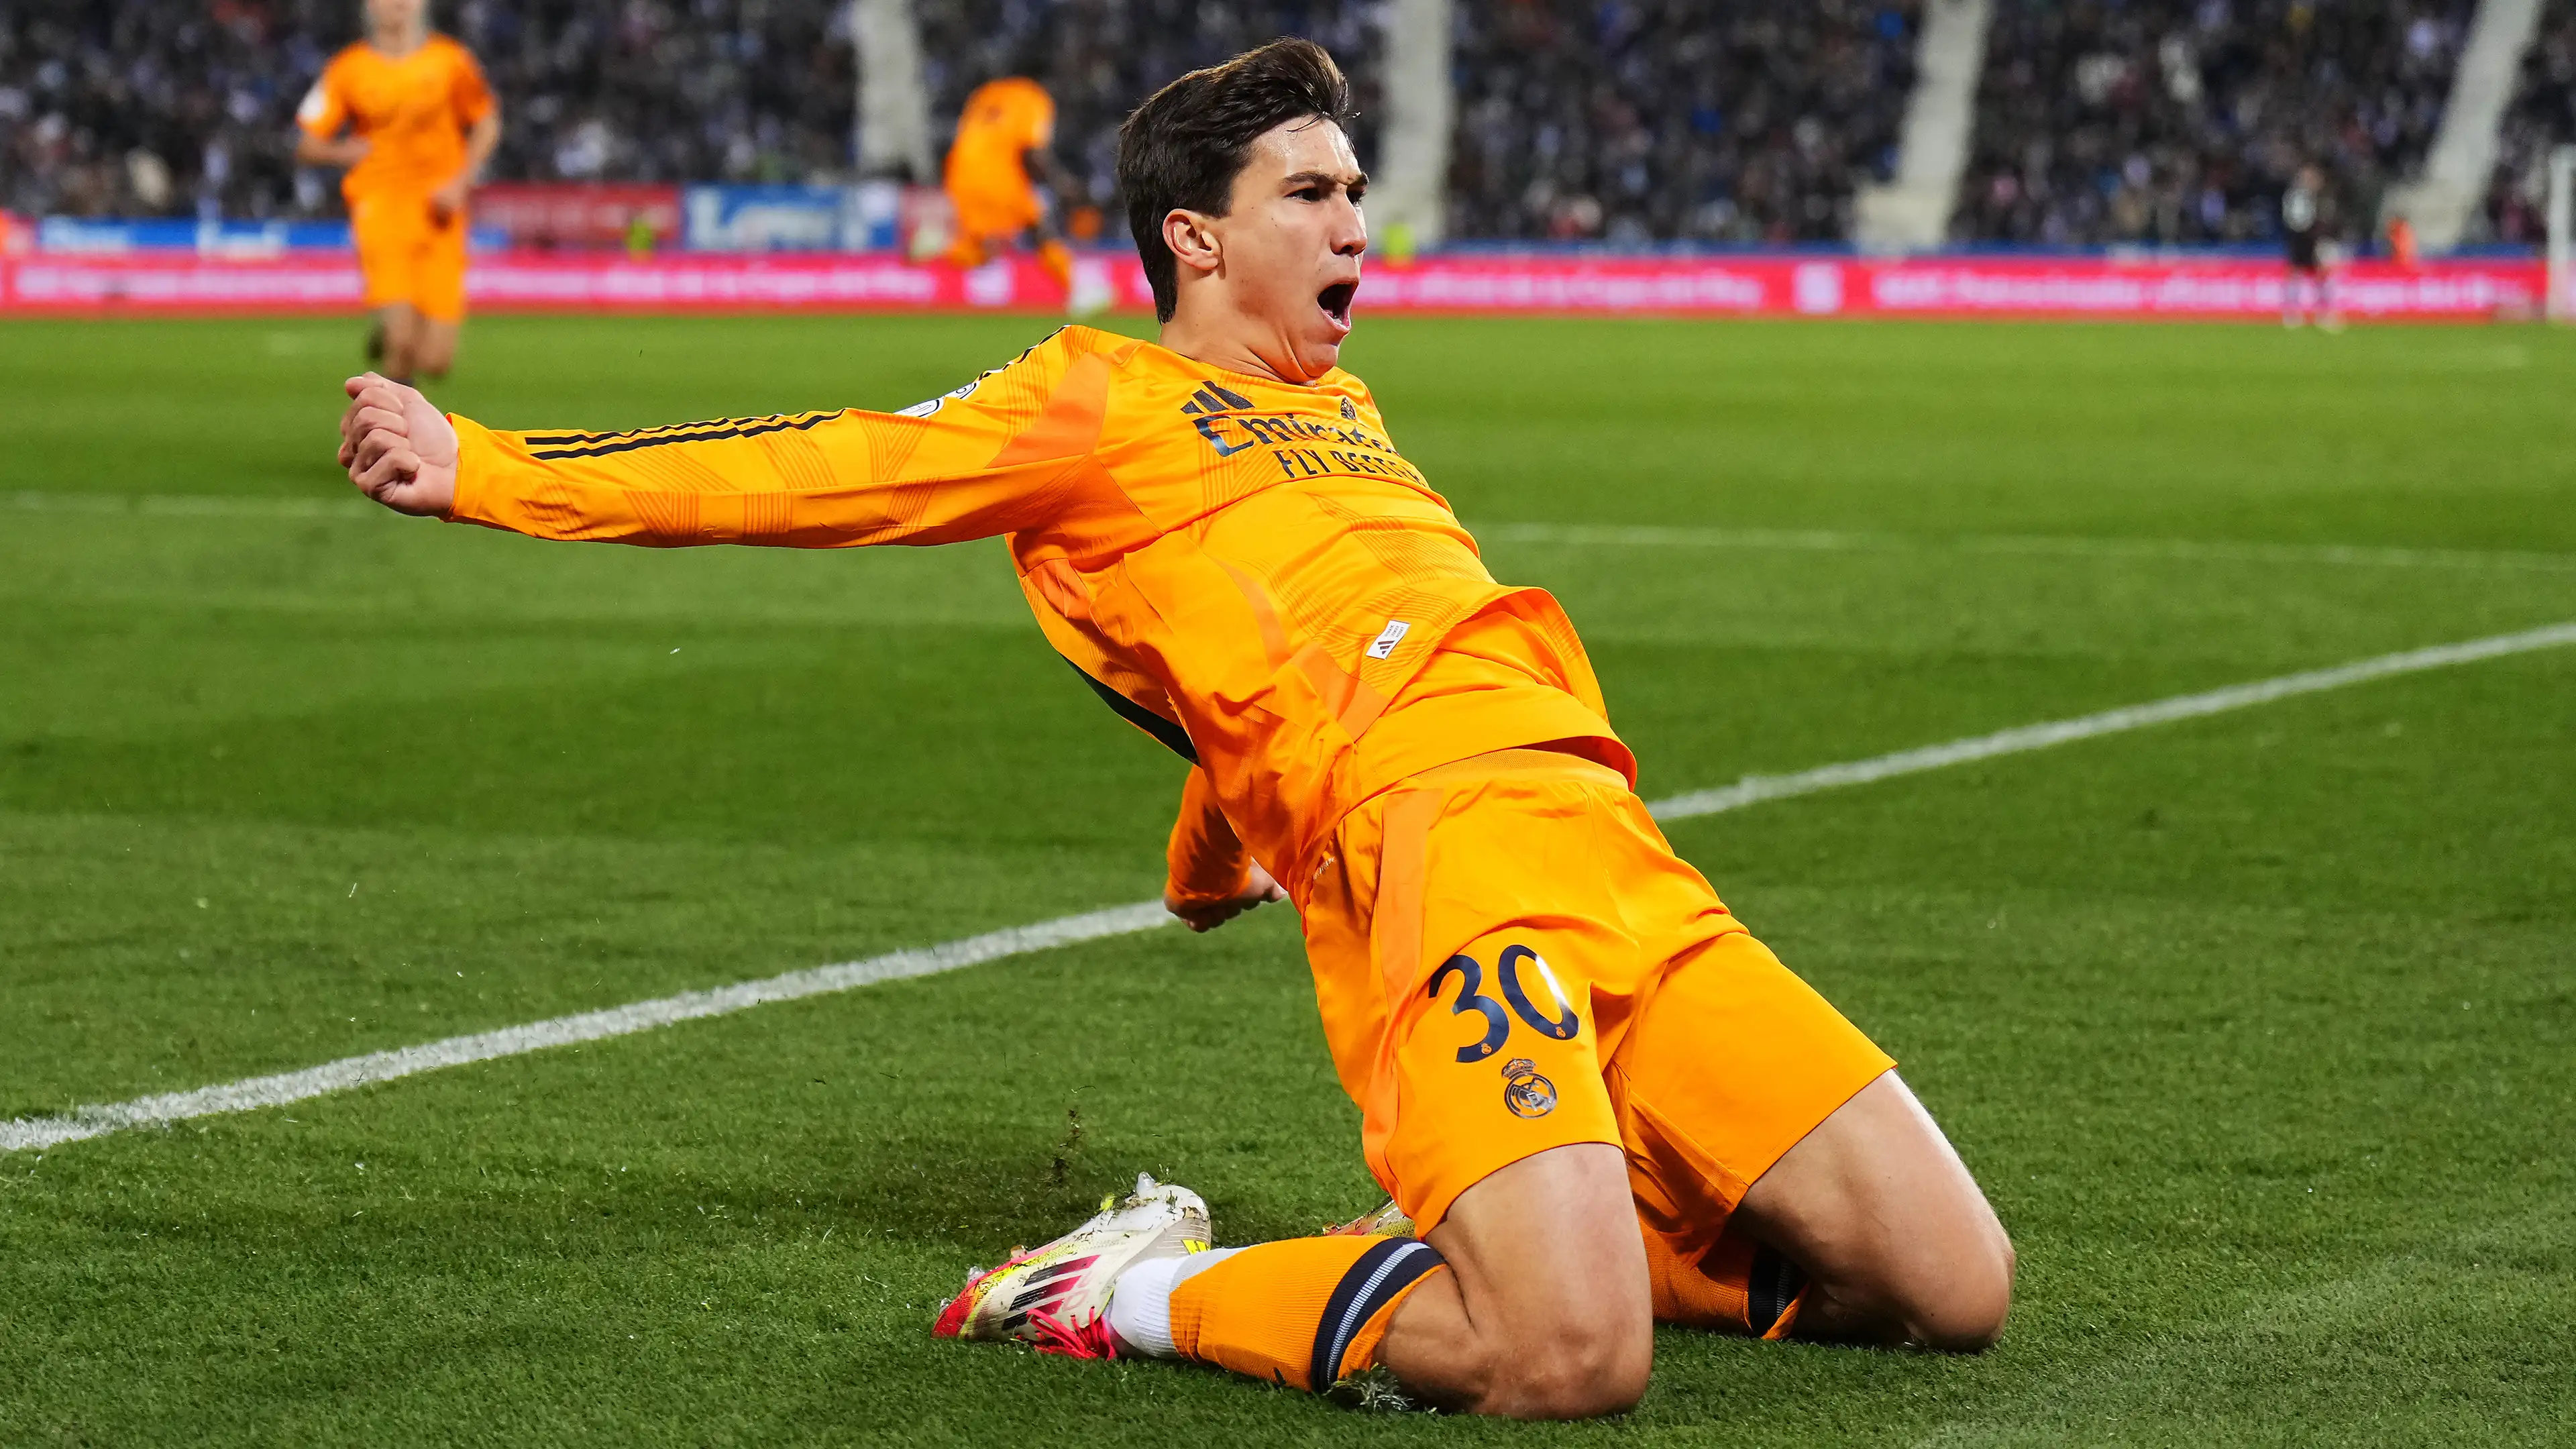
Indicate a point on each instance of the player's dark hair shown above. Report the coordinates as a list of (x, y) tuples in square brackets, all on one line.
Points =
[(1184, 146)]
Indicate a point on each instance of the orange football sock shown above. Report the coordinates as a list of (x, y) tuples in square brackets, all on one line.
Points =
[(1738, 1286), (1057, 258), (965, 251), (1302, 1311)]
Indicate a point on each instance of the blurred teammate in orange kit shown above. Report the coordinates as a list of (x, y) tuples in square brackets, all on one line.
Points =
[(2401, 242), (995, 166), (419, 123)]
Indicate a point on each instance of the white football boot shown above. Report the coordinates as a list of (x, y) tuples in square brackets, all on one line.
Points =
[(1057, 1296), (1389, 1221)]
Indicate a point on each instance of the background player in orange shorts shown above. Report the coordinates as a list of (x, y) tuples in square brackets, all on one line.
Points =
[(1001, 155), (420, 123), (1600, 1100)]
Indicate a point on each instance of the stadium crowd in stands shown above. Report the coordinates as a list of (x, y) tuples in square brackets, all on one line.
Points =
[(2099, 121), (1650, 120), (130, 107), (666, 90), (1632, 119), (2541, 118), (1099, 58), (146, 107), (2180, 122)]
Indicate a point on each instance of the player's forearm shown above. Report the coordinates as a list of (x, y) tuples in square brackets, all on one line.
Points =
[(480, 143), (1051, 173), (584, 487), (312, 150), (1207, 860), (801, 481)]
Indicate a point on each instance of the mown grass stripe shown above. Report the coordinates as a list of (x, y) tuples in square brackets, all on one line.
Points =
[(2180, 550), (194, 505), (2038, 545), (284, 1088)]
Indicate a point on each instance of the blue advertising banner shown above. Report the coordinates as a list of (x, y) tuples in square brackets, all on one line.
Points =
[(94, 236), (785, 219)]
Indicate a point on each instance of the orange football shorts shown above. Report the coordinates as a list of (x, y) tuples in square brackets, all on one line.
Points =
[(1510, 958), (409, 256), (995, 209)]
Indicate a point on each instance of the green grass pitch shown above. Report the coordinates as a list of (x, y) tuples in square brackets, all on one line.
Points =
[(2258, 1029)]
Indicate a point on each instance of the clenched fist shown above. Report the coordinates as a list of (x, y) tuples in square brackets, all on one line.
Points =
[(398, 449), (1258, 889)]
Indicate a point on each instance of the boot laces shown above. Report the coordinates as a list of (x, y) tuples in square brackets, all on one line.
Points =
[(1090, 1338)]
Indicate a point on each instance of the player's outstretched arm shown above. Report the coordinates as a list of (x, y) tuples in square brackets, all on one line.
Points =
[(979, 462), (1213, 878), (399, 450)]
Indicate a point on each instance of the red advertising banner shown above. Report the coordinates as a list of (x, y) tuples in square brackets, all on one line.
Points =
[(577, 216), (1939, 287), (531, 281)]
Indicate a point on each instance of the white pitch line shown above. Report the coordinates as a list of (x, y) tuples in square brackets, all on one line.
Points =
[(510, 1041), (2037, 545), (1753, 789), (288, 1087)]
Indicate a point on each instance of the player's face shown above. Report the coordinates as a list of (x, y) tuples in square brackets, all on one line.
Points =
[(1291, 241), (394, 17)]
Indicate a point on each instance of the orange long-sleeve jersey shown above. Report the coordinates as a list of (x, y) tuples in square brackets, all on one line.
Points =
[(413, 112), (1244, 569)]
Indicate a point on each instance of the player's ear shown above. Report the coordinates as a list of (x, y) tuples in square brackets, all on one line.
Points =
[(1192, 238)]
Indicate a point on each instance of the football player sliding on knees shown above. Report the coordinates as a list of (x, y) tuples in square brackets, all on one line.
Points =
[(1595, 1100)]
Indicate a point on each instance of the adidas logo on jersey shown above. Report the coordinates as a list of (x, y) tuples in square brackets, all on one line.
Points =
[(1211, 398)]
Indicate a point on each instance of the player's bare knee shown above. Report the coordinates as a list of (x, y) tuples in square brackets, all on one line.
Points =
[(1965, 1313), (1600, 1374), (1576, 1370)]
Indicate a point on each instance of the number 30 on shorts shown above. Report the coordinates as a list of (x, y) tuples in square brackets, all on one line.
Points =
[(1498, 1025)]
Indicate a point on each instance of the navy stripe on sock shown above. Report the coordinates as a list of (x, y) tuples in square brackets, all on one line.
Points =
[(1775, 1284), (1370, 1284)]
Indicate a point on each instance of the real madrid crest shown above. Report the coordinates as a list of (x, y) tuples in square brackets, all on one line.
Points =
[(1525, 1092)]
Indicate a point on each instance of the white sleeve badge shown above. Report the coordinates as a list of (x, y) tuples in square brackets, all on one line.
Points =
[(925, 409)]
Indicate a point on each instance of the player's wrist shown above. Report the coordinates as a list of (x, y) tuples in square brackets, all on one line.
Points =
[(1179, 895), (462, 471), (1203, 886), (1180, 901)]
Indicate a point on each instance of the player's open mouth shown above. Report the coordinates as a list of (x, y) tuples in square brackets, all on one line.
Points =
[(1336, 302)]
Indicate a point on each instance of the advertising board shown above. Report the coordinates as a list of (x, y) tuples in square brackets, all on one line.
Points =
[(789, 218), (578, 216), (522, 280)]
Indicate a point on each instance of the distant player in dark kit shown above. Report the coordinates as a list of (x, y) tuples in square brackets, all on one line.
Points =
[(2308, 283)]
